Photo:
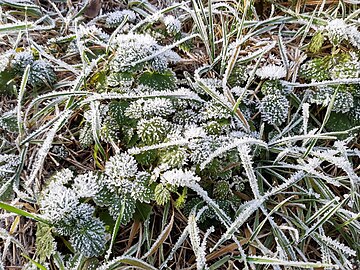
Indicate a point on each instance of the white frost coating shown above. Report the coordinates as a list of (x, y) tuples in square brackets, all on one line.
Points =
[(272, 72), (179, 177)]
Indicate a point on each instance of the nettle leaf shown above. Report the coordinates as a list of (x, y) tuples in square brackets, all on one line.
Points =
[(104, 197), (89, 237), (113, 201), (147, 158), (142, 212), (129, 210), (120, 79), (45, 242), (117, 111), (6, 82), (158, 81), (162, 194), (339, 122)]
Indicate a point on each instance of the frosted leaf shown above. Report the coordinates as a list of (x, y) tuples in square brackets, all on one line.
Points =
[(21, 61), (272, 72), (274, 109), (5, 59), (64, 176), (8, 164), (41, 72), (87, 233), (172, 24), (58, 201), (174, 156), (153, 130), (337, 30), (142, 108), (215, 111), (86, 137), (120, 167), (198, 249), (344, 101), (179, 177), (322, 95), (347, 67), (135, 47), (86, 185), (115, 18), (334, 244)]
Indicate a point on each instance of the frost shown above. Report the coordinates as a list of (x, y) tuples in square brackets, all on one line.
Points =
[(115, 18), (272, 72), (179, 177), (120, 167), (86, 185), (172, 24), (5, 59), (58, 201), (274, 109), (133, 48)]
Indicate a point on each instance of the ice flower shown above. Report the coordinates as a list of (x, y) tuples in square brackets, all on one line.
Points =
[(86, 185), (120, 167), (272, 72), (274, 109), (58, 201), (115, 18), (172, 24), (179, 177)]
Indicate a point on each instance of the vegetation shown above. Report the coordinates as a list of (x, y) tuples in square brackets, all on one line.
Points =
[(166, 135)]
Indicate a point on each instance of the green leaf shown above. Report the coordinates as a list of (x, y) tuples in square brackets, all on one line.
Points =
[(6, 82), (117, 262), (114, 203), (158, 81), (45, 242), (162, 194), (88, 237), (339, 122), (116, 229), (142, 212), (38, 265), (117, 111)]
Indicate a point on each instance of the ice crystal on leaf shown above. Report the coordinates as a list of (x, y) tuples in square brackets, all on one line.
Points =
[(8, 164), (58, 201), (142, 108), (86, 185), (179, 177), (87, 233), (274, 109), (346, 66), (21, 61), (172, 24), (60, 205), (344, 100), (115, 18), (122, 177), (153, 130), (5, 59), (133, 48), (272, 72), (338, 30), (120, 167)]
